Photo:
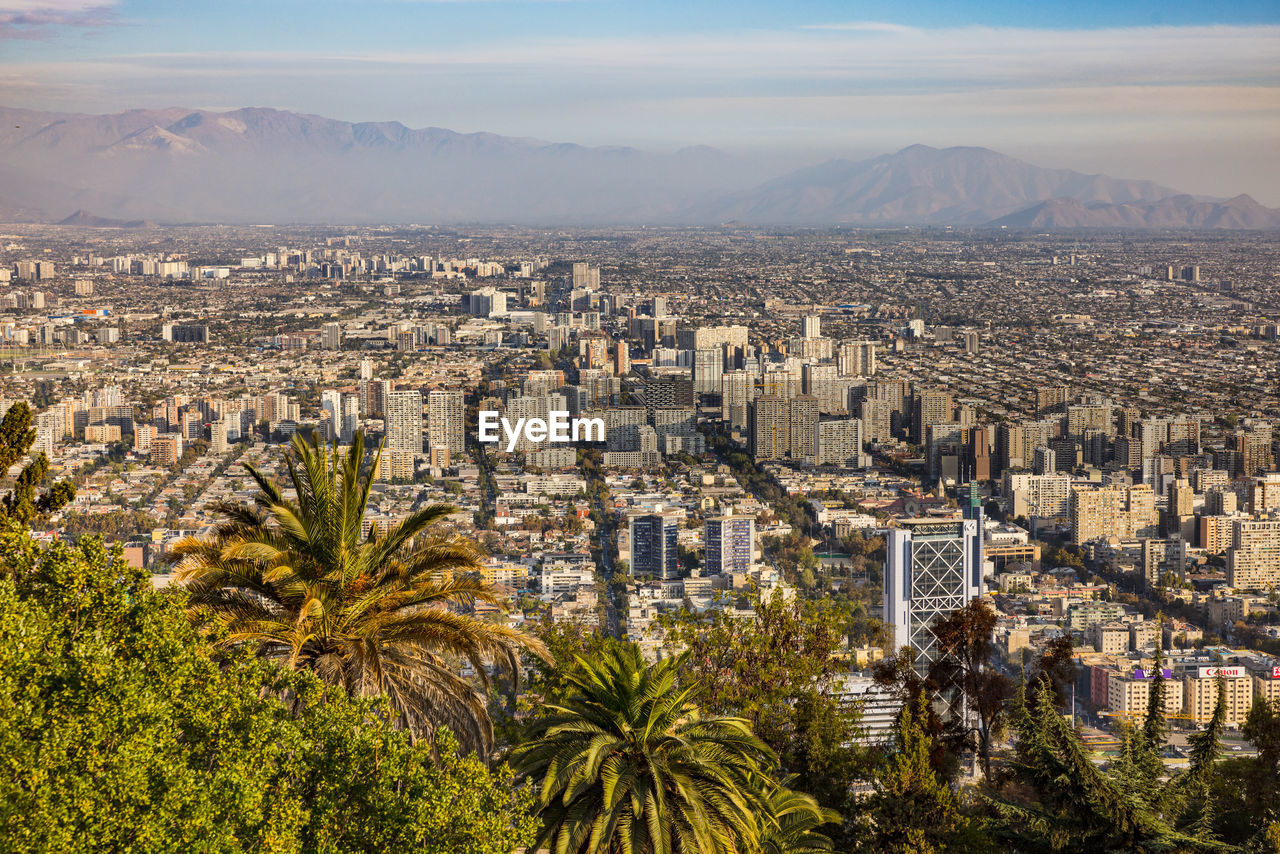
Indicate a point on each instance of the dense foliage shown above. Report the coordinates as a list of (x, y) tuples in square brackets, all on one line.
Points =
[(299, 581), (121, 730)]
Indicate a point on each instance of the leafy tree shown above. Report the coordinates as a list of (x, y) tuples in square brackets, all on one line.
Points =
[(777, 669), (628, 763), (294, 580), (119, 732), (22, 504), (964, 679), (1056, 668), (899, 672), (913, 809)]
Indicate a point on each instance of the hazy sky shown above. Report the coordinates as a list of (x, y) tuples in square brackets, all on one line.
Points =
[(1187, 94)]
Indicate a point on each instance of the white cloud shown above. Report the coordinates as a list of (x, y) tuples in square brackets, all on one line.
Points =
[(34, 19)]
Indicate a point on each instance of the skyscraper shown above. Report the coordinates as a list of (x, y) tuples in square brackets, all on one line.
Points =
[(803, 427), (331, 336), (934, 566), (928, 407), (737, 390), (770, 427), (654, 549), (331, 404), (812, 326), (403, 416), (446, 421), (708, 368), (839, 443), (729, 541)]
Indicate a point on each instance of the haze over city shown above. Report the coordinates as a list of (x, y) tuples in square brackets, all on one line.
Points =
[(1182, 94)]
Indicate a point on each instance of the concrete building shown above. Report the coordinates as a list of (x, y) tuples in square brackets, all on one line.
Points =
[(1253, 561), (654, 548), (1200, 690), (730, 543), (403, 418), (930, 571)]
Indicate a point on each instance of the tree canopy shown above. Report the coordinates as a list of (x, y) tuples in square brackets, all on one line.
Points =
[(122, 729)]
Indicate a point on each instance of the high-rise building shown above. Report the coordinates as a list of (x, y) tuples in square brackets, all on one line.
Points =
[(654, 548), (821, 381), (1052, 400), (331, 410), (185, 333), (669, 392), (877, 419), (331, 336), (729, 544), (839, 443), (770, 427), (402, 413), (708, 368), (446, 421), (622, 358), (737, 391), (585, 277), (1253, 560), (1038, 495), (1123, 512), (928, 406), (703, 337), (933, 567), (803, 427), (812, 326), (350, 422), (857, 358)]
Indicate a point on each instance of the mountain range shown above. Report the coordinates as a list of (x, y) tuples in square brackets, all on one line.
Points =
[(181, 165)]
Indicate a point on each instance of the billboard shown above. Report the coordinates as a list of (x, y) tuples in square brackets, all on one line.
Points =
[(1229, 672), (1275, 673), (1139, 673)]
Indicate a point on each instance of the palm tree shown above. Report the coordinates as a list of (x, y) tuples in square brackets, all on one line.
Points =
[(627, 765), (296, 580), (791, 824)]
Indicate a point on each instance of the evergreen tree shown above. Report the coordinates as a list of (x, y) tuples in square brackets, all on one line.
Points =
[(1194, 786), (913, 809), (1155, 729), (1062, 801), (22, 504)]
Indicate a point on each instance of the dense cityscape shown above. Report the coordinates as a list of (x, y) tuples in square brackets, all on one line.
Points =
[(944, 539)]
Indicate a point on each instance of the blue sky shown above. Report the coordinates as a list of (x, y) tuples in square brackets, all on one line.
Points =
[(1184, 93)]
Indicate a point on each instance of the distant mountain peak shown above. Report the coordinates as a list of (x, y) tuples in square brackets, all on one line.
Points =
[(85, 219), (261, 164)]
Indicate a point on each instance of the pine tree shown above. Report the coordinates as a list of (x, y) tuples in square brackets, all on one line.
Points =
[(22, 504), (1194, 786), (1073, 805), (913, 809), (1155, 729)]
